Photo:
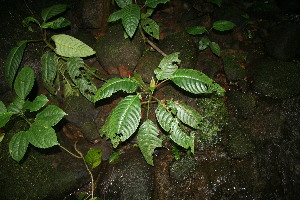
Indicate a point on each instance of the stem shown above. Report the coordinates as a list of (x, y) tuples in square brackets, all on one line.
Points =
[(148, 106), (86, 67), (161, 82), (25, 118), (72, 154)]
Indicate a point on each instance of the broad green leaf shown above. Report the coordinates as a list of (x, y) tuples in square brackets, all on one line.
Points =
[(204, 43), (147, 14), (150, 27), (115, 16), (186, 114), (123, 120), (123, 3), (84, 84), (53, 11), (148, 140), (179, 137), (37, 103), (24, 82), (52, 114), (215, 48), (49, 66), (42, 135), (163, 116), (13, 61), (153, 3), (2, 107), (5, 117), (195, 82), (223, 25), (69, 46), (113, 85), (167, 66), (26, 22), (196, 30), (131, 18), (217, 2), (93, 158), (16, 106), (56, 24), (18, 145)]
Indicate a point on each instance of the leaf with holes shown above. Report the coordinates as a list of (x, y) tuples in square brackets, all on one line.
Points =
[(13, 61), (113, 85), (153, 3), (196, 30), (18, 145), (56, 24), (195, 82), (52, 114), (123, 3), (215, 48), (69, 46), (49, 66), (52, 11), (24, 82), (123, 120), (115, 16), (163, 117), (131, 18), (150, 27), (39, 102), (223, 25), (148, 141), (167, 66)]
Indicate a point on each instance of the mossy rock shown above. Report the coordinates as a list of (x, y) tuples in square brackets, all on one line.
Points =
[(181, 169), (233, 68)]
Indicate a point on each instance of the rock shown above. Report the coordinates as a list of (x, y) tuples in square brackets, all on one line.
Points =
[(290, 6), (181, 169), (283, 42), (114, 51), (276, 79), (233, 66)]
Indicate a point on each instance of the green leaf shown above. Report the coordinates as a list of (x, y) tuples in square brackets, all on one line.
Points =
[(215, 48), (163, 117), (153, 3), (196, 30), (52, 11), (150, 27), (123, 3), (13, 61), (115, 84), (223, 25), (123, 120), (167, 66), (69, 46), (115, 16), (195, 82), (217, 2), (131, 18), (179, 137), (93, 158), (49, 66), (26, 22), (52, 114), (37, 103), (78, 76), (2, 137), (148, 140), (18, 145), (204, 43), (2, 107), (42, 135), (24, 82), (138, 78), (56, 24), (147, 14), (5, 117), (186, 114), (114, 157), (16, 106), (70, 90)]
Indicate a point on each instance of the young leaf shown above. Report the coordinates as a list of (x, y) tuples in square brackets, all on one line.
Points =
[(215, 48), (148, 140), (153, 3), (13, 61), (24, 82), (147, 14), (223, 25), (123, 3), (37, 103), (26, 22), (131, 18), (163, 117), (204, 43), (123, 120), (49, 66), (113, 85), (86, 86), (186, 114), (52, 114), (93, 158), (217, 2), (115, 16), (195, 82), (16, 106), (56, 24), (196, 30), (167, 66), (18, 145), (53, 11), (150, 27), (2, 107), (5, 117), (179, 137), (42, 135), (69, 46)]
